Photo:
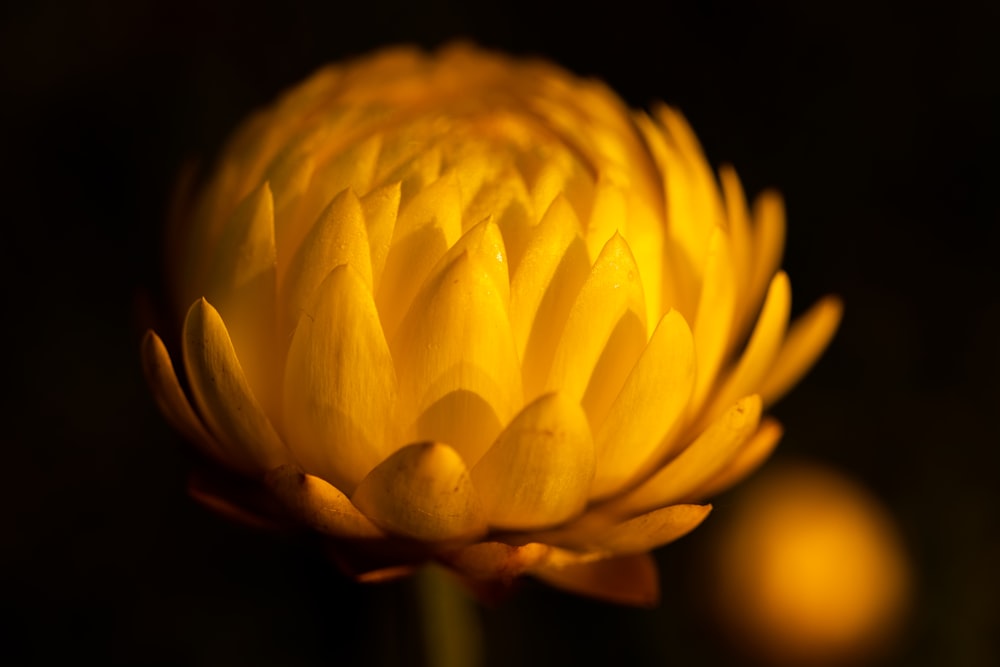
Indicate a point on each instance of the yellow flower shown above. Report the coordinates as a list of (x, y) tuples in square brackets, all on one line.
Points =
[(471, 309)]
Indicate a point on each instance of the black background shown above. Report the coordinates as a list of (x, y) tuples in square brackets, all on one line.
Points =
[(879, 123)]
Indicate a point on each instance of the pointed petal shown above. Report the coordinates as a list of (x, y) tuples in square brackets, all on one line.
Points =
[(749, 457), (169, 396), (608, 215), (768, 243), (456, 346), (713, 325), (654, 529), (242, 284), (738, 224), (318, 505), (629, 580), (506, 199), (543, 290), (539, 470), (224, 397), (426, 228), (808, 337), (605, 333), (648, 408), (338, 237), (340, 383), (423, 491), (761, 350), (710, 453), (381, 207)]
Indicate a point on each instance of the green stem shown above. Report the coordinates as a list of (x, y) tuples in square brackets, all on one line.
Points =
[(450, 621)]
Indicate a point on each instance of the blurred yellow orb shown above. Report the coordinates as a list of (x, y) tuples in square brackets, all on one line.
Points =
[(810, 569)]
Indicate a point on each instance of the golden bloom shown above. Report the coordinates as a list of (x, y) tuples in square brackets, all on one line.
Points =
[(470, 309)]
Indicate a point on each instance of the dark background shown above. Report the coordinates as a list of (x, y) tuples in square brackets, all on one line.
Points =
[(879, 123)]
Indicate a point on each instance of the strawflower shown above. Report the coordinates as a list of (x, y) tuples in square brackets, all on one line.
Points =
[(469, 309)]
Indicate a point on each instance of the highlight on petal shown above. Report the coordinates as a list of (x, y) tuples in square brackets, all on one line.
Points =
[(319, 505), (808, 337), (631, 580), (338, 355), (648, 408), (424, 492), (224, 397), (538, 472), (700, 462)]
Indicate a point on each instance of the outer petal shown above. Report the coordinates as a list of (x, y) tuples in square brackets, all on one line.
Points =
[(629, 580), (495, 560), (760, 351), (768, 243), (750, 456), (242, 284), (697, 464), (340, 383), (539, 470), (423, 491), (458, 371), (713, 325), (648, 531), (223, 395), (806, 340), (319, 505), (605, 333), (169, 396), (647, 410)]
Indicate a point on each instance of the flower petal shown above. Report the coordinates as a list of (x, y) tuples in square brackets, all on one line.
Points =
[(768, 243), (648, 408), (629, 580), (455, 345), (338, 237), (543, 290), (760, 352), (807, 338), (224, 397), (648, 531), (380, 207), (169, 396), (749, 457), (485, 561), (423, 491), (340, 383), (713, 325), (426, 228), (318, 505), (700, 462), (539, 470), (605, 333), (242, 285)]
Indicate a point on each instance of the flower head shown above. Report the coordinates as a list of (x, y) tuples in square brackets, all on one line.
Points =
[(471, 309)]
